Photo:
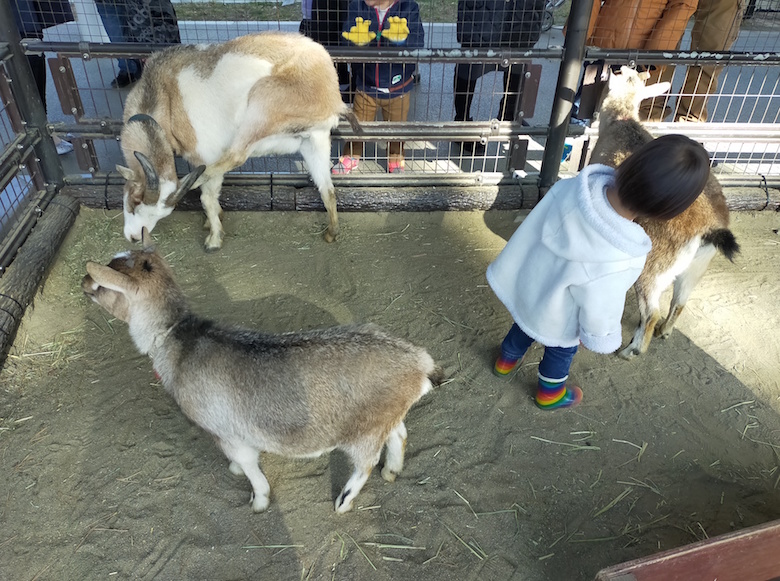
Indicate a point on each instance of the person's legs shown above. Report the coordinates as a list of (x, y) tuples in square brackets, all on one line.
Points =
[(513, 348), (552, 391), (715, 28), (113, 15), (395, 109), (465, 81), (657, 109), (513, 92), (365, 109)]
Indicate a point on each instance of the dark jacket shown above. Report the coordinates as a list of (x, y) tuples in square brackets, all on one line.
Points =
[(394, 78), (152, 21), (326, 22), (32, 16), (499, 23)]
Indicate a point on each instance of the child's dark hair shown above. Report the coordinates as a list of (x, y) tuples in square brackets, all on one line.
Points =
[(663, 177)]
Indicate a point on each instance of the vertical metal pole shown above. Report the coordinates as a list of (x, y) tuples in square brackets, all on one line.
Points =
[(27, 98), (568, 78)]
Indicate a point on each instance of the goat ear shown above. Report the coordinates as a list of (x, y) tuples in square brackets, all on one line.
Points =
[(126, 172), (110, 278), (185, 185), (656, 90)]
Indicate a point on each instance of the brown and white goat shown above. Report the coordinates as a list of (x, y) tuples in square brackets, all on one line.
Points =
[(682, 246), (218, 105), (294, 394)]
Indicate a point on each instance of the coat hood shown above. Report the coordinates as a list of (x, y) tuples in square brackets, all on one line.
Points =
[(579, 233)]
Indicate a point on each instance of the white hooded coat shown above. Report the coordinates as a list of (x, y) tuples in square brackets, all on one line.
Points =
[(564, 273)]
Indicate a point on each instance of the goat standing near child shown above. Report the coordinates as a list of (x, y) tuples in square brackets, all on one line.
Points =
[(294, 394), (682, 246), (218, 105)]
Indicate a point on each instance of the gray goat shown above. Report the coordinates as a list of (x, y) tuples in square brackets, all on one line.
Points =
[(293, 394)]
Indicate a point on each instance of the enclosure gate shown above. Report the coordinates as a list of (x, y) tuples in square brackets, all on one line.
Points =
[(515, 160)]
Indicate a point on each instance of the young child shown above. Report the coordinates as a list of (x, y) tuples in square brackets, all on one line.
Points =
[(385, 86), (564, 273)]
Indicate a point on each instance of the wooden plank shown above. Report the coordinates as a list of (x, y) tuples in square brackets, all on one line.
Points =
[(751, 554), (262, 198), (408, 199)]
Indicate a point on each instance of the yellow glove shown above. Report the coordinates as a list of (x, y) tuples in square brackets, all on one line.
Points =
[(359, 34), (398, 30)]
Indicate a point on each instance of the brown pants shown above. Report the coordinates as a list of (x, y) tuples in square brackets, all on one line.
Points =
[(393, 109), (715, 28)]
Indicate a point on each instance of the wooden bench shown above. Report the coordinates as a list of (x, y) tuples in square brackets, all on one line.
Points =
[(751, 554)]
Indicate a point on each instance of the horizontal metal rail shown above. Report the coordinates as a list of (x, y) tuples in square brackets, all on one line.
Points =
[(497, 55), (302, 180), (634, 57), (370, 131), (500, 56), (15, 154), (726, 132)]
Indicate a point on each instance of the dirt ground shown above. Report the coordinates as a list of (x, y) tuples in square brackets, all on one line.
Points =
[(102, 477)]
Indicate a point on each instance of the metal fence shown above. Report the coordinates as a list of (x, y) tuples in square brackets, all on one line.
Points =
[(524, 146)]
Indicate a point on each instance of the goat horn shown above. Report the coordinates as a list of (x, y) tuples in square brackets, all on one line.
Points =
[(141, 118), (152, 181), (185, 185)]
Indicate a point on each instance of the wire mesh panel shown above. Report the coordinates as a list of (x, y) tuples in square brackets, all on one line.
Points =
[(464, 63), (18, 172), (739, 102), (103, 82)]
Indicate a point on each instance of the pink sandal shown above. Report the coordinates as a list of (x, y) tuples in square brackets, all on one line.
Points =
[(345, 165), (395, 166)]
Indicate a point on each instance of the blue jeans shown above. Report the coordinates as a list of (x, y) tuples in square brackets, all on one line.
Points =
[(113, 14), (555, 363)]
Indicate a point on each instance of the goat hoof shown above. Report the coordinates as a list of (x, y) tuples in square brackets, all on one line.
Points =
[(235, 469), (260, 503), (628, 353), (343, 503), (389, 475), (213, 242), (329, 236)]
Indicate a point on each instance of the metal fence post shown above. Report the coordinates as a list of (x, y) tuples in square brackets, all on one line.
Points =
[(28, 101), (568, 79)]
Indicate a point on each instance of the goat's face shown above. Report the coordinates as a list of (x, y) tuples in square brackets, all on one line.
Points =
[(108, 297), (133, 279), (151, 194), (629, 90)]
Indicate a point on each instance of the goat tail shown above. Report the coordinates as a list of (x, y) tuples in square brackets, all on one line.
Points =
[(349, 115), (722, 239)]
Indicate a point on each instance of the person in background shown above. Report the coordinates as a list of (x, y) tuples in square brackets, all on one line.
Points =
[(142, 21), (31, 18), (716, 26), (515, 24), (385, 86), (641, 25), (323, 21), (564, 273)]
